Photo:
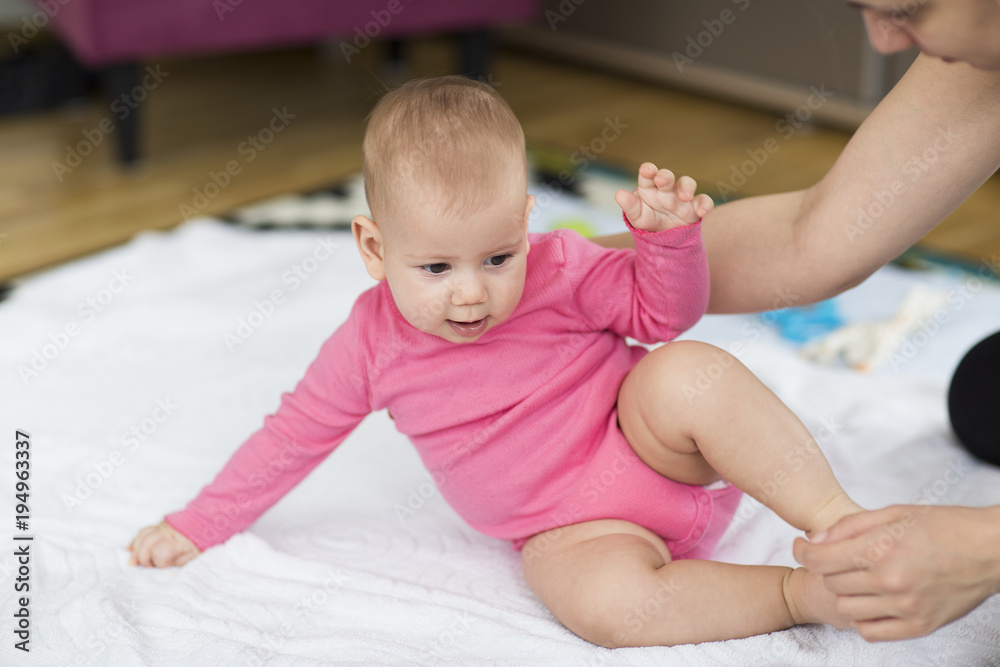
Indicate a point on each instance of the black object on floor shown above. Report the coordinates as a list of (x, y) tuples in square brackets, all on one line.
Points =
[(40, 76), (974, 400)]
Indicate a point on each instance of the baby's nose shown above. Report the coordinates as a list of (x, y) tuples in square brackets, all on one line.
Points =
[(468, 291)]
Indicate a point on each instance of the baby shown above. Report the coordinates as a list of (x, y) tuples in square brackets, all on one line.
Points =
[(502, 356)]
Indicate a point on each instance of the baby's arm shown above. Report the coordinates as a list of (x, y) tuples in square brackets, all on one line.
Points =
[(312, 421), (661, 289), (161, 545), (662, 202)]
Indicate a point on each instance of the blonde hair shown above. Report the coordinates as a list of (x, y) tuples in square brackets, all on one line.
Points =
[(453, 137)]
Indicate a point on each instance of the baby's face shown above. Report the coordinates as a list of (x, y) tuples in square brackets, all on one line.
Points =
[(458, 277)]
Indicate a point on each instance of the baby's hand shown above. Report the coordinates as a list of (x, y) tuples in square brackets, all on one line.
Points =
[(661, 202), (161, 546)]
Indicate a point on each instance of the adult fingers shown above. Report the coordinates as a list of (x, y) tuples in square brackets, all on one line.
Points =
[(830, 558), (865, 608), (854, 525), (858, 582), (891, 629)]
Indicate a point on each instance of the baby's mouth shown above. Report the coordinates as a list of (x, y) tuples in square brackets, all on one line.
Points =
[(469, 329)]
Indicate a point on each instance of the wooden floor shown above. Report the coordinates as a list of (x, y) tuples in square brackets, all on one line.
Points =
[(199, 118)]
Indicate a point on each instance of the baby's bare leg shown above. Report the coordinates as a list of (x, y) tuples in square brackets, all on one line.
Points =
[(693, 412), (614, 584)]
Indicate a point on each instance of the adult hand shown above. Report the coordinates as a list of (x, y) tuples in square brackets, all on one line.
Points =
[(906, 570)]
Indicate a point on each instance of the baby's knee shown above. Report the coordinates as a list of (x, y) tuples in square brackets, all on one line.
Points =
[(615, 611), (687, 368), (692, 356)]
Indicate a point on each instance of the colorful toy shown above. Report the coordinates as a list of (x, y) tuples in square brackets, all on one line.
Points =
[(802, 323), (581, 225), (866, 345)]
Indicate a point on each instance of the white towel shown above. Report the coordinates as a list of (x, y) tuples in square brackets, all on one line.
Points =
[(132, 353)]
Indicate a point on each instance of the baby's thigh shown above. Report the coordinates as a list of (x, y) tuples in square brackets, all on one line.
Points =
[(591, 574), (658, 410)]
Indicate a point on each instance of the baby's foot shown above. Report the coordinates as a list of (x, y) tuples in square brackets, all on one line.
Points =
[(809, 601), (661, 202), (836, 509)]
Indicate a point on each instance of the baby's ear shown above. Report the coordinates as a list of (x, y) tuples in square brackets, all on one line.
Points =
[(369, 239), (530, 204)]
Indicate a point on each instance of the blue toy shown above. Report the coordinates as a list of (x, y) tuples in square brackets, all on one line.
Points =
[(803, 323)]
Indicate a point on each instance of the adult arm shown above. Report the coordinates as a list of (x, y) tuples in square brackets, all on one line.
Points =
[(906, 570), (926, 147)]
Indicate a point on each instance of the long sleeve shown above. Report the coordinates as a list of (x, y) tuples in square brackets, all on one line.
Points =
[(652, 294), (326, 405)]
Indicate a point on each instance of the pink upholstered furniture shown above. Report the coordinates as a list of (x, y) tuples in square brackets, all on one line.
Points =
[(114, 36)]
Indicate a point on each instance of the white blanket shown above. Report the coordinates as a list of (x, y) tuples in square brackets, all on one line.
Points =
[(138, 371)]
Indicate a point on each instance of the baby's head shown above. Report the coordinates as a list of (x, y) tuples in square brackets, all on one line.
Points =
[(446, 181)]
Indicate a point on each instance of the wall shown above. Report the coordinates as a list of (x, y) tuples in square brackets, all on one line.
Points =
[(763, 52)]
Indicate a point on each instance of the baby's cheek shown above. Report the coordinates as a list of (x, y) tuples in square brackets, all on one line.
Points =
[(427, 309), (513, 297)]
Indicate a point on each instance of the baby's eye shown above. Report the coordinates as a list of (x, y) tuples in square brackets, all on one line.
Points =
[(435, 268), (498, 260)]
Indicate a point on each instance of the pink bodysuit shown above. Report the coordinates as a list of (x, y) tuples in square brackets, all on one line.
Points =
[(518, 428)]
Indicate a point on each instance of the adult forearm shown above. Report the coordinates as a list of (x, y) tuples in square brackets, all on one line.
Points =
[(992, 528), (924, 150)]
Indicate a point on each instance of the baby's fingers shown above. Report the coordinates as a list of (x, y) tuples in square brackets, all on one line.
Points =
[(686, 187), (664, 180), (136, 547), (141, 553), (703, 204), (161, 546), (631, 205), (648, 175), (165, 554), (185, 557)]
